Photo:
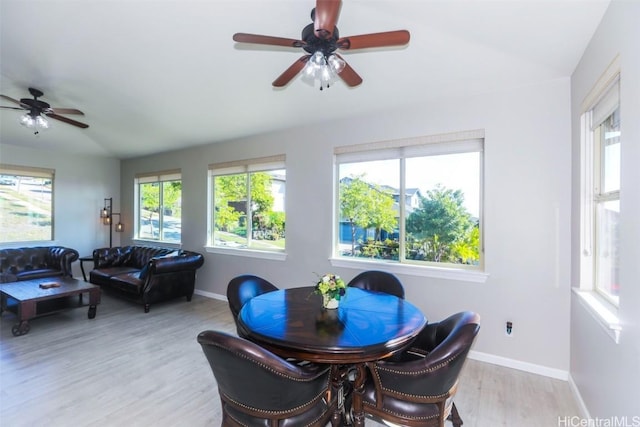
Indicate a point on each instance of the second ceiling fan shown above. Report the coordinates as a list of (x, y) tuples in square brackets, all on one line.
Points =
[(320, 40)]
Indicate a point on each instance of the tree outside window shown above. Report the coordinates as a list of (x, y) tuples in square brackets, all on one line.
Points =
[(248, 207), (420, 209)]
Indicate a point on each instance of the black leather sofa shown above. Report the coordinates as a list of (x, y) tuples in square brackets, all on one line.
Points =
[(17, 264), (146, 274)]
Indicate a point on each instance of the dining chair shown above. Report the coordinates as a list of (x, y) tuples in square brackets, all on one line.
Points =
[(242, 288), (258, 388), (380, 281), (416, 387)]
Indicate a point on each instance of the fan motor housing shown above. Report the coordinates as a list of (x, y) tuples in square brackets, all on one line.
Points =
[(314, 44), (35, 103)]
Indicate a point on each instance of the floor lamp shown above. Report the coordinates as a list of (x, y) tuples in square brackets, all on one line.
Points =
[(107, 218)]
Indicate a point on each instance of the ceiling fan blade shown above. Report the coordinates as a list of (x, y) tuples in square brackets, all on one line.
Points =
[(15, 101), (291, 72), (389, 38), (67, 120), (268, 40), (66, 111), (326, 17), (11, 108), (348, 74)]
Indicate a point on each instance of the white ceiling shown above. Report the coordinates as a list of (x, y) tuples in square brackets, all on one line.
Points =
[(154, 76)]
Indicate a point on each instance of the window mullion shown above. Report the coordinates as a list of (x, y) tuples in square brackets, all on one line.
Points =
[(249, 212), (402, 212), (160, 210)]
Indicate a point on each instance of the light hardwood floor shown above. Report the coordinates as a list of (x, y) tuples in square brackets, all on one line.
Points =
[(128, 368)]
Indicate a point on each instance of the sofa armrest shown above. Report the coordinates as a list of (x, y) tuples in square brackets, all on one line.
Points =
[(168, 264), (62, 257)]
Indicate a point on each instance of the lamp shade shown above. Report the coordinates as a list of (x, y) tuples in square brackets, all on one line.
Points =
[(34, 121)]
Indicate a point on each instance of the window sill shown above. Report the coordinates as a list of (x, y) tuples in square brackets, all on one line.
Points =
[(158, 243), (414, 270), (606, 317), (249, 253)]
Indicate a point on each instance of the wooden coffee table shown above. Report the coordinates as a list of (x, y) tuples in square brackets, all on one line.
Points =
[(37, 297)]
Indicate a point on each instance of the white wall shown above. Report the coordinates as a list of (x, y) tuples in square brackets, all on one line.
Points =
[(81, 184), (607, 374), (527, 185)]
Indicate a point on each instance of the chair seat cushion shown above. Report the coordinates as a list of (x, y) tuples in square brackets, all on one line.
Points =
[(397, 407), (307, 418)]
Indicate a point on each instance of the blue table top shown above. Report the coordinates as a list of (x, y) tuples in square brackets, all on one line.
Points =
[(365, 326)]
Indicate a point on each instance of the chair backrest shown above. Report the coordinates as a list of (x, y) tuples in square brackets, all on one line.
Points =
[(242, 288), (257, 387), (416, 388), (380, 281), (446, 345)]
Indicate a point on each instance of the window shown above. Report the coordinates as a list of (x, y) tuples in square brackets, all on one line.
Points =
[(601, 144), (600, 207), (159, 206), (26, 204), (248, 204), (415, 201)]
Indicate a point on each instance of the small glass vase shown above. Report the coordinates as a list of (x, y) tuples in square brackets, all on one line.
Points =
[(329, 302)]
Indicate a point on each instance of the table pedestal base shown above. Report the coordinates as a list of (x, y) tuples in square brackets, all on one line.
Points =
[(358, 389)]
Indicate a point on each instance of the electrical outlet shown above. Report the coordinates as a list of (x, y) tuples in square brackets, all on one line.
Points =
[(509, 329)]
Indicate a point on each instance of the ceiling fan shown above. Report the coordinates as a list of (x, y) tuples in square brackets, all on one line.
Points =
[(320, 40), (36, 109)]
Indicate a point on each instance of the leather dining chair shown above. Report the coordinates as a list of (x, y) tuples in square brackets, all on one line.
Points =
[(416, 387), (380, 281), (242, 288), (258, 388)]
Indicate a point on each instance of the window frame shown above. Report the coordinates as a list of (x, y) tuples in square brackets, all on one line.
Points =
[(35, 173), (601, 104), (160, 178), (245, 166), (600, 197), (449, 143)]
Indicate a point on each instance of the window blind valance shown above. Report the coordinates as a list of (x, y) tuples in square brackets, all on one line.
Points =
[(248, 165), (449, 143), (170, 175), (606, 105), (26, 171)]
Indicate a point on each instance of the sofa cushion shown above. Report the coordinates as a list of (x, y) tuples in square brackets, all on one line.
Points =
[(128, 282), (38, 273), (112, 271)]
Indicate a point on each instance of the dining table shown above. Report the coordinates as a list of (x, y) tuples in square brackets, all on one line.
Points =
[(367, 326)]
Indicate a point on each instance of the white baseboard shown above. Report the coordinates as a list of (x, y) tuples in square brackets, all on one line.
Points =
[(520, 365), (584, 412), (210, 295)]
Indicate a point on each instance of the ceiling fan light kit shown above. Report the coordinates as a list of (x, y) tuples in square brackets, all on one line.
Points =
[(325, 70), (35, 122), (320, 40)]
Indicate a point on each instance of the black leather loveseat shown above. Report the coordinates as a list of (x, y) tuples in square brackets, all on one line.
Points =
[(17, 264), (146, 274)]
